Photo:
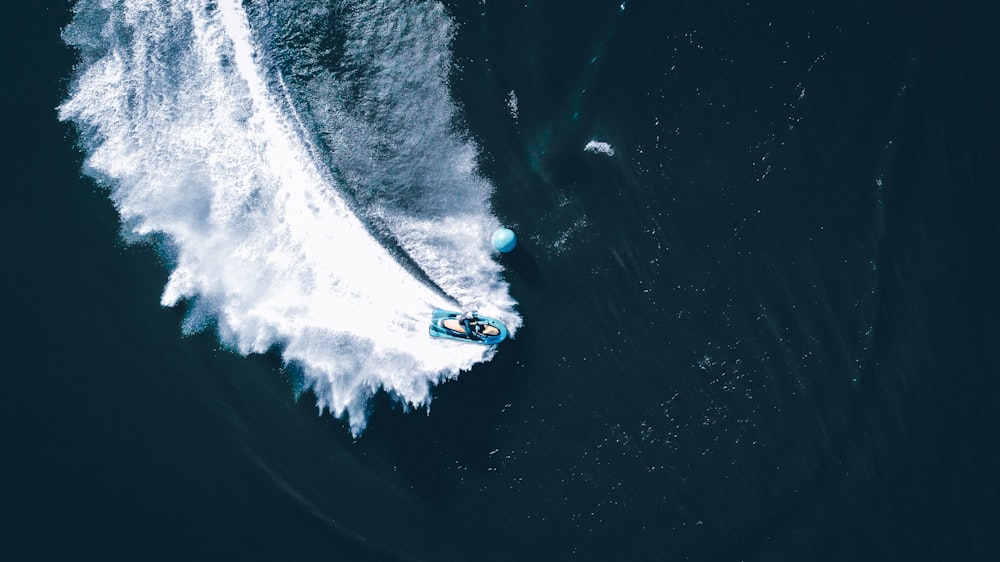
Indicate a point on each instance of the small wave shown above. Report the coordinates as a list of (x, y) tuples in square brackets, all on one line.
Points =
[(599, 147)]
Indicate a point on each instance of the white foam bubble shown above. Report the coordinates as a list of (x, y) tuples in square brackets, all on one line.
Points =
[(178, 122), (512, 104), (599, 147)]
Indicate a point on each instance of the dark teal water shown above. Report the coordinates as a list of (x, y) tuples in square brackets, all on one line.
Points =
[(764, 329)]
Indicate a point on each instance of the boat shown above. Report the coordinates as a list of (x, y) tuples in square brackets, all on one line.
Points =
[(486, 331)]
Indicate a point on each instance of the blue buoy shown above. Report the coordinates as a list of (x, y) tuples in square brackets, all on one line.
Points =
[(504, 240)]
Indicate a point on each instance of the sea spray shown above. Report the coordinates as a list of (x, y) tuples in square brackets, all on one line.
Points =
[(264, 214), (370, 79)]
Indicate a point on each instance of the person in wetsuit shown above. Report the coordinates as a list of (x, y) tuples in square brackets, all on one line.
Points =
[(468, 320)]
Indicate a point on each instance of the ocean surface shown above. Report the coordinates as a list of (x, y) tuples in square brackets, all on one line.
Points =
[(753, 300)]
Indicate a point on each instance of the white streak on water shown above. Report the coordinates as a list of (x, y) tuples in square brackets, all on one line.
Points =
[(512, 104)]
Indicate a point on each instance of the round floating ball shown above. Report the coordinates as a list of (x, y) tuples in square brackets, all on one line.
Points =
[(504, 240)]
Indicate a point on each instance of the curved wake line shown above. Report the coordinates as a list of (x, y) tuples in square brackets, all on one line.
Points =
[(376, 229), (177, 120)]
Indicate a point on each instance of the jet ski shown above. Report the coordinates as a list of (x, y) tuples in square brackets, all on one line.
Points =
[(485, 331)]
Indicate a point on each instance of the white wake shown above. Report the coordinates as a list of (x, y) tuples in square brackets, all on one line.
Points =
[(177, 121)]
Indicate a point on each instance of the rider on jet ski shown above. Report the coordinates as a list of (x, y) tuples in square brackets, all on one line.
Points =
[(467, 326), (470, 321)]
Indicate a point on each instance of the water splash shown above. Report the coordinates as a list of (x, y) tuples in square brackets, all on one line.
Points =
[(599, 147), (268, 234)]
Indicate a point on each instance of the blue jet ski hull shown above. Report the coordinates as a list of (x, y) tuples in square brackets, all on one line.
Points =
[(438, 330)]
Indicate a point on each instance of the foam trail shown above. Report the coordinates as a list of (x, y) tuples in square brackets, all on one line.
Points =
[(383, 113), (177, 119)]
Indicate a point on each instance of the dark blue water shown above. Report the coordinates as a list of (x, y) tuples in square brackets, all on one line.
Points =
[(762, 329)]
